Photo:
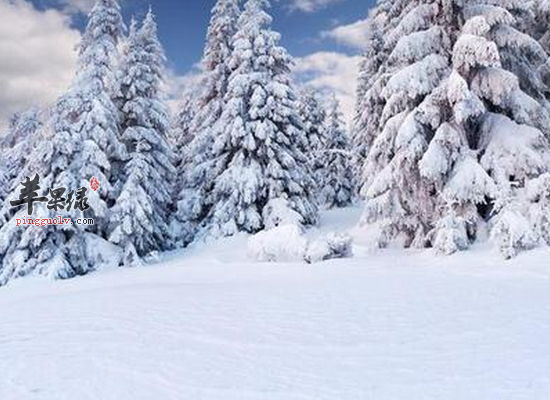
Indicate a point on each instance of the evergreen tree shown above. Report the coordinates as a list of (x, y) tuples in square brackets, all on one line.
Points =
[(197, 179), (53, 251), (139, 217), (417, 43), (463, 126), (369, 100), (216, 70), (181, 134), (312, 113), (79, 142), (257, 140), (508, 123), (93, 115), (336, 178)]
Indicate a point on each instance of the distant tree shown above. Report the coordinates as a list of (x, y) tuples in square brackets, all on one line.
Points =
[(335, 175), (369, 99), (181, 133), (312, 114)]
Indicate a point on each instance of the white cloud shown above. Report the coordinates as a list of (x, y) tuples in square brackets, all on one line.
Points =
[(353, 35), (176, 86), (331, 71), (37, 56), (311, 5)]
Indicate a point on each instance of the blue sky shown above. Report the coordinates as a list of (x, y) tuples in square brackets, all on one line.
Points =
[(183, 24), (323, 35)]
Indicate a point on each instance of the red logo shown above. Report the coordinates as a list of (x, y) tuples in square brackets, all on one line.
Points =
[(94, 184)]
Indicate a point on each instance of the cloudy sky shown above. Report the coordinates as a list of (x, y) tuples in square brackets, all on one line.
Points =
[(38, 39)]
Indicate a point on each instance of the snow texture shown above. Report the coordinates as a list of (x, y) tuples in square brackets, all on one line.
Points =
[(207, 324)]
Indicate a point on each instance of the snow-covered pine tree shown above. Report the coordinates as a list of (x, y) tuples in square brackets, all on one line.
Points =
[(197, 179), (460, 134), (181, 135), (94, 117), (369, 100), (257, 139), (53, 251), (216, 70), (508, 125), (312, 113), (417, 40), (79, 142), (139, 217), (336, 178)]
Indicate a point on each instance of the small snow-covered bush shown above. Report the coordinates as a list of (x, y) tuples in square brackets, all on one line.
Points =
[(332, 246), (513, 233), (283, 243), (450, 235)]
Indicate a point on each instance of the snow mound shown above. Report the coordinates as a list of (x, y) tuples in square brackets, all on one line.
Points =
[(287, 243), (332, 246), (283, 243)]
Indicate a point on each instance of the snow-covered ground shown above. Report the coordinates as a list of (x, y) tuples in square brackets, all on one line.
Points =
[(210, 325)]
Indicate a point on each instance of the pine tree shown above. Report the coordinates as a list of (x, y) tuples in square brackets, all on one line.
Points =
[(336, 177), (139, 217), (197, 179), (369, 100), (53, 251), (510, 119), (79, 142), (418, 49), (312, 113), (463, 125), (216, 70), (181, 134), (256, 145), (93, 114)]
